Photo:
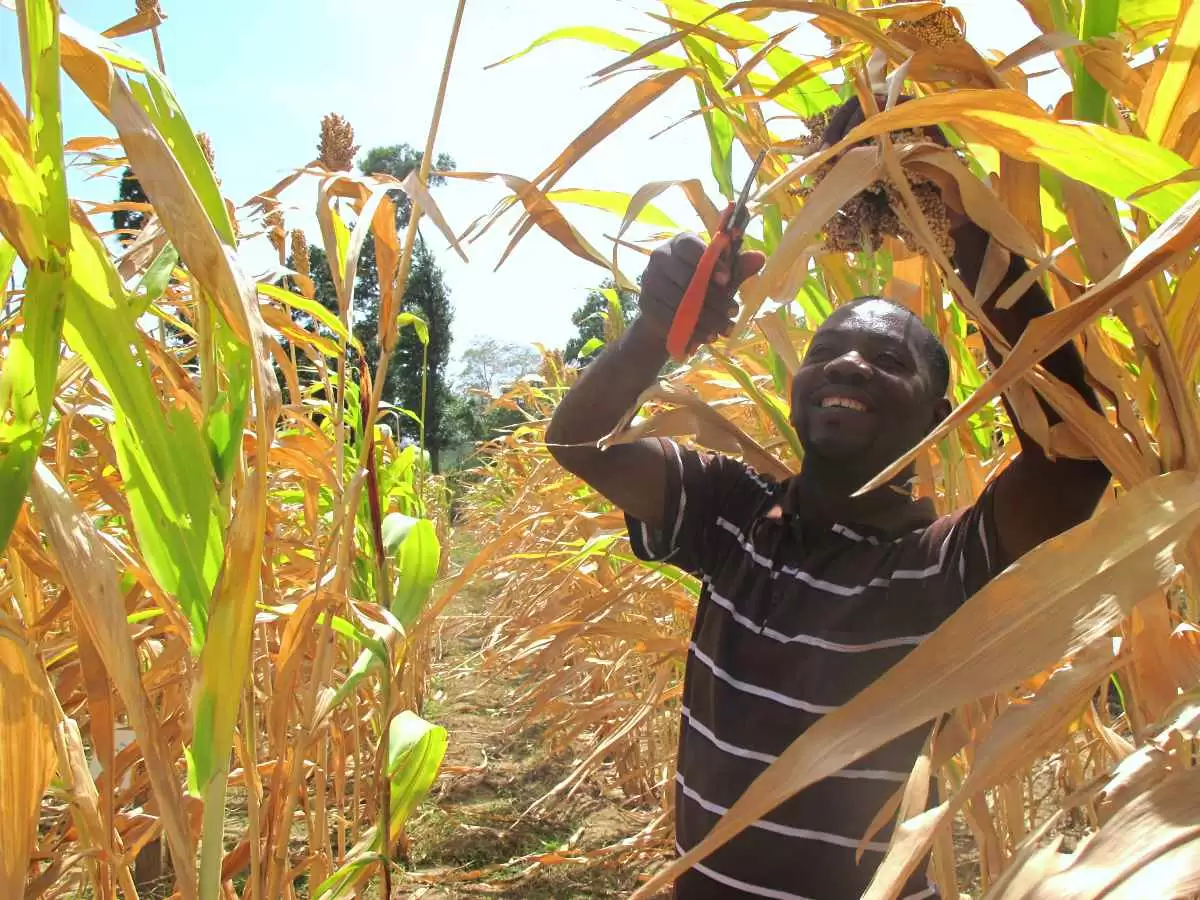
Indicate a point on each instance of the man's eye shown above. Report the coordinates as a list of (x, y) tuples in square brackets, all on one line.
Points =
[(889, 361)]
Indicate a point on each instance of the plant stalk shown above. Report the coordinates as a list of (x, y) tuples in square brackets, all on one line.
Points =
[(376, 393)]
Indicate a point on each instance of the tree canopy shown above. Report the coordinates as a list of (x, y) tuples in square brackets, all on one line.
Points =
[(592, 320)]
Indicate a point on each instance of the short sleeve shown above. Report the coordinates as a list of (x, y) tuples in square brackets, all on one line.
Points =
[(708, 500), (971, 552)]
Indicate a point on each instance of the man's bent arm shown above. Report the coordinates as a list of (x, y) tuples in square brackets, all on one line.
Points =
[(630, 475), (1039, 498), (633, 475)]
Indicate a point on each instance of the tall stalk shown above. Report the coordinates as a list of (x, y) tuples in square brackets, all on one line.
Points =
[(389, 329)]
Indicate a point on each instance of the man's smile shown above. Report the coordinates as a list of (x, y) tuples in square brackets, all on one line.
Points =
[(843, 398), (843, 403)]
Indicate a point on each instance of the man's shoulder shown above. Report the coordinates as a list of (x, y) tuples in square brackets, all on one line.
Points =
[(934, 537), (696, 464)]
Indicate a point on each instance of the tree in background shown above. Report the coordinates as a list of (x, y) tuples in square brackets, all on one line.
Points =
[(425, 295), (126, 222), (592, 318), (491, 366), (398, 160), (488, 368)]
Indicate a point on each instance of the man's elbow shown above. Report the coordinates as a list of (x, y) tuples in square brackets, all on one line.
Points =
[(559, 442), (1079, 486)]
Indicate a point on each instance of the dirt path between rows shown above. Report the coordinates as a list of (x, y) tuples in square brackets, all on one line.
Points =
[(476, 833)]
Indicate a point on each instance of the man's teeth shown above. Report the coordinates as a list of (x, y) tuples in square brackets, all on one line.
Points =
[(844, 403)]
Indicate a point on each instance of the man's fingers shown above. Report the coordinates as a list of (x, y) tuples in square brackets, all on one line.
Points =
[(672, 268), (848, 116), (714, 321), (655, 305), (679, 272), (688, 248)]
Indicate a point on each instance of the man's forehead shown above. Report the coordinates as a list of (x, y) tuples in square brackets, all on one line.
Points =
[(874, 317)]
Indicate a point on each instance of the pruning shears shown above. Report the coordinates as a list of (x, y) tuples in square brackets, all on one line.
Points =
[(725, 243)]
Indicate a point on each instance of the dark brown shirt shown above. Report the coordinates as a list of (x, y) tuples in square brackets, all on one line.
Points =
[(796, 616)]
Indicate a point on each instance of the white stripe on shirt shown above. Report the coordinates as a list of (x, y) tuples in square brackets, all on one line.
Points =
[(760, 891), (767, 488), (844, 531), (763, 561), (732, 749), (809, 639), (745, 886), (746, 753), (853, 535), (807, 834), (748, 688), (983, 542), (829, 587)]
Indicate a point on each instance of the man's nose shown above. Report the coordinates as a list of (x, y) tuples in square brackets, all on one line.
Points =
[(850, 367)]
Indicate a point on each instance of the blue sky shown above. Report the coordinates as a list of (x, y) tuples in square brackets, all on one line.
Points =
[(258, 77)]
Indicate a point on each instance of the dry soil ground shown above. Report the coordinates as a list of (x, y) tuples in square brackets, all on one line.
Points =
[(477, 817)]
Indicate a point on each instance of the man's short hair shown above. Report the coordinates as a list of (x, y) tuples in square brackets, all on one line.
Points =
[(931, 348)]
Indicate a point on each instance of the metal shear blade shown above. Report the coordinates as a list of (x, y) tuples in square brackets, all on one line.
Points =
[(740, 214)]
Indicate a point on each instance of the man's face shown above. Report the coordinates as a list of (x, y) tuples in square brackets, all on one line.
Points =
[(864, 392)]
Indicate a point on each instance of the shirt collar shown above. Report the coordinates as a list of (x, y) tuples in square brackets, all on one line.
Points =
[(890, 510)]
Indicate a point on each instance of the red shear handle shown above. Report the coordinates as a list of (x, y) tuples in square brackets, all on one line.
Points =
[(683, 326)]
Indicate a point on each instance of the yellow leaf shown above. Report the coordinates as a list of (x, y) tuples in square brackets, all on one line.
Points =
[(1014, 740), (617, 202), (1160, 110), (224, 665), (1150, 848), (543, 213), (87, 568), (26, 759), (592, 35)]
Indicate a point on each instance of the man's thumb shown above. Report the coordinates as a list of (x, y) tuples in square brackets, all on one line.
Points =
[(749, 263)]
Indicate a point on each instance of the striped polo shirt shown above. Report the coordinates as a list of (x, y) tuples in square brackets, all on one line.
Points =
[(796, 616)]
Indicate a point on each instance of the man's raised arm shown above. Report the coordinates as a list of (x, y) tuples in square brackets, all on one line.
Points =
[(1037, 498), (632, 475)]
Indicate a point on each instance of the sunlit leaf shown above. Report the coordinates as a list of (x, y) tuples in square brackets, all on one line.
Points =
[(419, 325), (1117, 164), (168, 475), (415, 752), (417, 562), (592, 35), (611, 201)]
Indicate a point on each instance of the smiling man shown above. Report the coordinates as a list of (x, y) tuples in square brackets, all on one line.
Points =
[(810, 594)]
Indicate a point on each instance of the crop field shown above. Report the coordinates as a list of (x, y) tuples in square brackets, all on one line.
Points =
[(263, 636)]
